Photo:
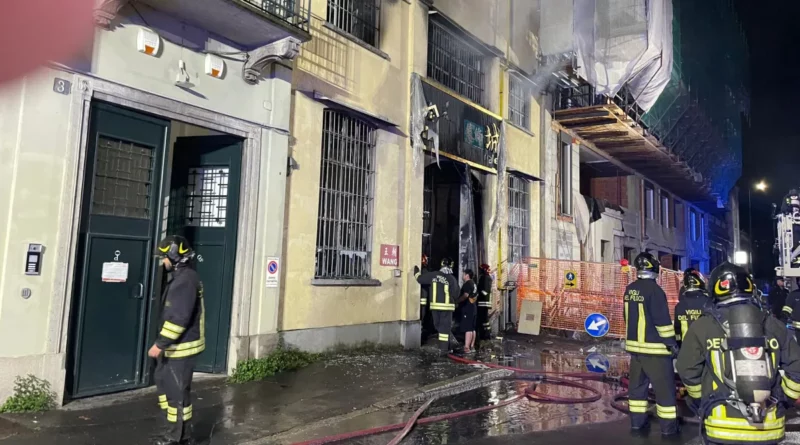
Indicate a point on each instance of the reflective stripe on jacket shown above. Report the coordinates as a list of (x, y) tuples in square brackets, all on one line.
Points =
[(648, 326), (183, 328)]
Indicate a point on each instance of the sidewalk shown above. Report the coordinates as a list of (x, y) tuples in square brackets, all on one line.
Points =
[(326, 392)]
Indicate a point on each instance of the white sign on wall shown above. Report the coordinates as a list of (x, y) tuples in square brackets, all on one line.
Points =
[(273, 268)]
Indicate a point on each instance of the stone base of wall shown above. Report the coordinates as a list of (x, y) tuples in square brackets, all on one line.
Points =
[(405, 333), (49, 367)]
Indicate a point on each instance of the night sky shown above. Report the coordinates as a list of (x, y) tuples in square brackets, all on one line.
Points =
[(772, 139)]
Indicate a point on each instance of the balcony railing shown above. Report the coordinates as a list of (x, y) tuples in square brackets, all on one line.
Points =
[(584, 95), (289, 11)]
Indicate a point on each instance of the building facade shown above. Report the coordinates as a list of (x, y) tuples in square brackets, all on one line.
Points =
[(370, 190), (175, 120)]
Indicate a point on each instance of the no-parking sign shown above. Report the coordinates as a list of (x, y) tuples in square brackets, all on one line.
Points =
[(273, 267)]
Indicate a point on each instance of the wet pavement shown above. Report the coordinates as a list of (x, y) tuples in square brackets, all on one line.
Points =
[(229, 414), (354, 392)]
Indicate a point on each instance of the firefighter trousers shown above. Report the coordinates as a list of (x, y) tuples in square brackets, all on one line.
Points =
[(174, 383), (484, 327), (443, 321), (658, 371)]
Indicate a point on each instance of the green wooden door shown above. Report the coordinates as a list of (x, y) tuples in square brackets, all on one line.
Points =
[(204, 207), (121, 189)]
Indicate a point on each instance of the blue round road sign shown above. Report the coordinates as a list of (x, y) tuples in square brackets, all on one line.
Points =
[(596, 325), (570, 276), (597, 362), (272, 267)]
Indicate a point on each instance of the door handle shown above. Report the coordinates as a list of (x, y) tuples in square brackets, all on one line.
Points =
[(140, 292)]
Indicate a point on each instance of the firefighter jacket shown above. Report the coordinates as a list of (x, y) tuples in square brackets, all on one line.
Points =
[(183, 315), (703, 361), (485, 290), (443, 289), (424, 290), (791, 309), (649, 329), (689, 309), (777, 300)]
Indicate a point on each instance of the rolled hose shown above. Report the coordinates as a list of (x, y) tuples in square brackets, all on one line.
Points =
[(530, 393)]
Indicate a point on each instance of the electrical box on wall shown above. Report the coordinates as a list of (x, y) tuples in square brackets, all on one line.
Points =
[(215, 66), (33, 259), (148, 42)]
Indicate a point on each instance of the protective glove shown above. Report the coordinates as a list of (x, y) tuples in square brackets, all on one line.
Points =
[(675, 350), (416, 270)]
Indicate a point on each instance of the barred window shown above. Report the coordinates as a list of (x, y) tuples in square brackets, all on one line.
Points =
[(359, 18), (519, 104), (454, 63), (518, 219), (344, 225)]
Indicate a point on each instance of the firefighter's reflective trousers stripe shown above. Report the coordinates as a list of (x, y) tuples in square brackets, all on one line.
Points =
[(647, 369), (174, 382), (443, 321), (719, 428)]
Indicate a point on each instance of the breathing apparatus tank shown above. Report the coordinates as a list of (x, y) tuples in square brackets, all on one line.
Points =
[(748, 372)]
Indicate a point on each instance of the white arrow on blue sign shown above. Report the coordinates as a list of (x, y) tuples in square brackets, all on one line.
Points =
[(596, 325), (597, 362)]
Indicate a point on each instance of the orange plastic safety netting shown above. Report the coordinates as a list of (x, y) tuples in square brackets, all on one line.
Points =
[(572, 290)]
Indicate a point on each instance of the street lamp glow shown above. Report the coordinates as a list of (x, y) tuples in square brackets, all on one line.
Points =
[(761, 186), (740, 257)]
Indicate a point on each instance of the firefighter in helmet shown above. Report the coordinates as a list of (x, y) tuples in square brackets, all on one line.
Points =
[(442, 299), (424, 291), (650, 341), (180, 339), (484, 302), (692, 300), (731, 360)]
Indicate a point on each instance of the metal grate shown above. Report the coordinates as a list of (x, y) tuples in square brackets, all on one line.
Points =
[(122, 179), (344, 227), (454, 63), (287, 10), (207, 196), (518, 219), (359, 18), (519, 104)]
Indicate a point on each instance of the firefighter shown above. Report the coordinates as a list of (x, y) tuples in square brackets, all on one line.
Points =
[(443, 294), (791, 310), (735, 338), (180, 339), (484, 302), (691, 302), (650, 340), (777, 297)]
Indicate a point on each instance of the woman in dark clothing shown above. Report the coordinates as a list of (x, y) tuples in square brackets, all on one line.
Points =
[(467, 300)]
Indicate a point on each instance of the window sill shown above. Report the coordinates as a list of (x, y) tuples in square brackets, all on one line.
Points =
[(326, 282), (357, 41), (522, 129)]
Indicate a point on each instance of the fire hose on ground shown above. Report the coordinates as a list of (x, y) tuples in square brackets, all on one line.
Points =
[(564, 379)]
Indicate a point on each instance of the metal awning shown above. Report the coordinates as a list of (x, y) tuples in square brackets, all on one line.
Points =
[(344, 106)]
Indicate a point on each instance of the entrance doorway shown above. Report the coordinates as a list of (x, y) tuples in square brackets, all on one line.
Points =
[(452, 219), (134, 162)]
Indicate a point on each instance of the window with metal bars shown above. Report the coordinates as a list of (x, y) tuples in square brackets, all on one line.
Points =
[(519, 103), (454, 63), (344, 224), (122, 179), (518, 219), (359, 18)]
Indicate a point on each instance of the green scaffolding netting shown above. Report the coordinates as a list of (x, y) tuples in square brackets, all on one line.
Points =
[(699, 115)]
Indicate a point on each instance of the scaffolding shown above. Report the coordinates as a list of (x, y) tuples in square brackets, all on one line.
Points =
[(686, 88)]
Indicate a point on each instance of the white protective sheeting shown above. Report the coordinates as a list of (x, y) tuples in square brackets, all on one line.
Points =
[(615, 42)]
